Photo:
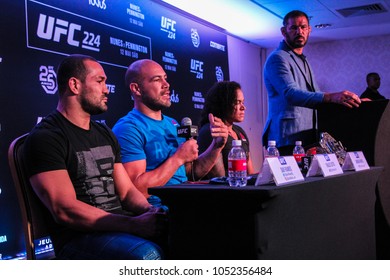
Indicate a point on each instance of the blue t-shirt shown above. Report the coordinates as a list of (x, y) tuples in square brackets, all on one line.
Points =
[(143, 138)]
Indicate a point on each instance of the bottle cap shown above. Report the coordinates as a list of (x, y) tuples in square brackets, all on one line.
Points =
[(298, 143), (236, 142), (271, 143)]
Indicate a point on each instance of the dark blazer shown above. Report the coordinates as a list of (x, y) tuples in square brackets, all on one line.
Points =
[(291, 96)]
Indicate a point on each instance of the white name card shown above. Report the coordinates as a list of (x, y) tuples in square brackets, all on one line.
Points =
[(281, 170), (355, 161), (325, 165)]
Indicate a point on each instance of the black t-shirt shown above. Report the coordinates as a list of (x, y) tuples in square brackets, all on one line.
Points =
[(373, 95), (88, 156), (205, 139)]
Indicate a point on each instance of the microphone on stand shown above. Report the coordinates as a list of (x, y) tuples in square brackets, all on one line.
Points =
[(187, 130)]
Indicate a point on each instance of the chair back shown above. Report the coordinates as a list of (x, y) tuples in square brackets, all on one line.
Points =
[(34, 213)]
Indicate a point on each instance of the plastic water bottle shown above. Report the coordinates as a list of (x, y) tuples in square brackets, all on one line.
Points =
[(272, 151), (298, 153), (237, 169)]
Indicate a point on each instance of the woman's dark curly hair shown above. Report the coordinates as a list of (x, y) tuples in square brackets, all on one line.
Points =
[(220, 100)]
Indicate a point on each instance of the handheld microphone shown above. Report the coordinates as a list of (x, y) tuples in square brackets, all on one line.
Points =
[(187, 130)]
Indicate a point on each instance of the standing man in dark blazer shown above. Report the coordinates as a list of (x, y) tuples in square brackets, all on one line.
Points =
[(292, 90)]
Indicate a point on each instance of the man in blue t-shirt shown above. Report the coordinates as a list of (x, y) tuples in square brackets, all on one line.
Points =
[(152, 153)]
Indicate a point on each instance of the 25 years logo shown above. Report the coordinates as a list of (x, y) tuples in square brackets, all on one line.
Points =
[(48, 79), (195, 37)]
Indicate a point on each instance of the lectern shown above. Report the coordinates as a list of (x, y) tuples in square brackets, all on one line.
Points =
[(366, 129)]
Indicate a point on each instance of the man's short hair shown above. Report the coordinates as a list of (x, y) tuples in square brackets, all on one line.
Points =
[(371, 75), (294, 14), (72, 66)]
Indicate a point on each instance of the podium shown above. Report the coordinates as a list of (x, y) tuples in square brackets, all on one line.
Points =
[(366, 129)]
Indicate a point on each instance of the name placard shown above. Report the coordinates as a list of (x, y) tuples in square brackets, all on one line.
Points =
[(355, 161), (325, 165), (281, 170)]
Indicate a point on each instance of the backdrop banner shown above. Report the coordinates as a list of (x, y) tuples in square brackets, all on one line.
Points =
[(35, 35)]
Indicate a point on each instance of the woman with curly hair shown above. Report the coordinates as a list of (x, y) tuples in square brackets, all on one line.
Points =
[(224, 100)]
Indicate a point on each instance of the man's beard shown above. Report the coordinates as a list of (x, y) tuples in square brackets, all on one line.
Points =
[(91, 108), (154, 104), (293, 44)]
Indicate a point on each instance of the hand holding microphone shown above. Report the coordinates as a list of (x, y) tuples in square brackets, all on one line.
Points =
[(219, 132), (188, 151), (187, 130)]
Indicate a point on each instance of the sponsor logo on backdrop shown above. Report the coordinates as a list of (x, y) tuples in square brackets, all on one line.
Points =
[(174, 97), (111, 88), (170, 62), (195, 37), (54, 29), (217, 46), (44, 245), (197, 68), (50, 28), (101, 4), (168, 26), (48, 79), (136, 15), (59, 31), (198, 100), (45, 242), (219, 73), (3, 238)]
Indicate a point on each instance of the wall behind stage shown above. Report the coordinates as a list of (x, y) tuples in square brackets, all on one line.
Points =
[(36, 35), (344, 64), (246, 67)]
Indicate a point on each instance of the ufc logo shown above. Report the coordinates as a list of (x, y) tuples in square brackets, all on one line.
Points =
[(196, 65), (168, 23), (50, 28)]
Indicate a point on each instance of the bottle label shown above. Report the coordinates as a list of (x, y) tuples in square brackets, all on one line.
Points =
[(298, 157), (237, 164)]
